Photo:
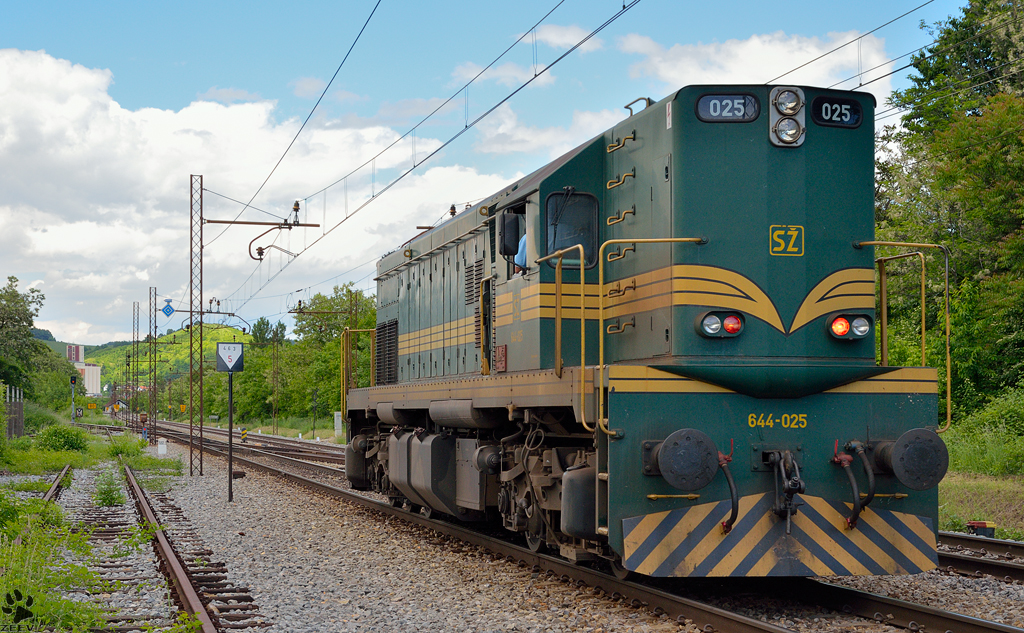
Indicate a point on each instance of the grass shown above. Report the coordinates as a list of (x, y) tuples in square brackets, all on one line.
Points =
[(36, 461), (154, 473), (29, 486), (967, 497), (34, 556)]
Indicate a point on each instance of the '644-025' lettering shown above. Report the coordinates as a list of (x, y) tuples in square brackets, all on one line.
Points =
[(786, 420)]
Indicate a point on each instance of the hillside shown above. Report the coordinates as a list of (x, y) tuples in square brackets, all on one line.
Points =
[(171, 352)]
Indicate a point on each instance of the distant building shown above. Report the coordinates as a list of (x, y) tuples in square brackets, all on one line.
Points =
[(76, 353), (90, 375)]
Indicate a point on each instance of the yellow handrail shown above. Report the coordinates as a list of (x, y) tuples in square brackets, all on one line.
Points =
[(485, 350), (949, 362), (347, 373), (602, 420), (883, 291), (583, 324)]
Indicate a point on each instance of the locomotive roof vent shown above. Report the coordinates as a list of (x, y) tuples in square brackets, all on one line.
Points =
[(786, 118)]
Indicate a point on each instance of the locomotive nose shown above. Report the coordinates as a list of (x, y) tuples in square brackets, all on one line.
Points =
[(919, 458)]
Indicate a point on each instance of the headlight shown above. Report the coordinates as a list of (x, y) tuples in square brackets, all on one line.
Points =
[(788, 130), (860, 326), (711, 324), (788, 102)]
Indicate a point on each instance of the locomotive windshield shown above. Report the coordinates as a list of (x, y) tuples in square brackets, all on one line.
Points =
[(572, 219)]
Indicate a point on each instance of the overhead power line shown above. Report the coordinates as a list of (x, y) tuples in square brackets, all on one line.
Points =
[(469, 125), (936, 52), (308, 117), (808, 63)]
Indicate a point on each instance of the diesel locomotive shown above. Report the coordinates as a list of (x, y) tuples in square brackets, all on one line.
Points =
[(659, 350)]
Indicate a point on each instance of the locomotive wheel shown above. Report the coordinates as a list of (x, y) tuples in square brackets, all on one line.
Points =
[(535, 543), (396, 502), (619, 571), (415, 509), (428, 512)]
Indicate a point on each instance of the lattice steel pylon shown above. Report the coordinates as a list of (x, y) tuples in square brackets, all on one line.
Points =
[(195, 331), (152, 354), (135, 367)]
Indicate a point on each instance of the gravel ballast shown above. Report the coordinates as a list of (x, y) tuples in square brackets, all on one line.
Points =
[(318, 564), (315, 563)]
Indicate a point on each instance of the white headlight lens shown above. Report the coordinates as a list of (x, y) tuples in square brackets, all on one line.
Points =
[(788, 102), (711, 324), (860, 326), (788, 130)]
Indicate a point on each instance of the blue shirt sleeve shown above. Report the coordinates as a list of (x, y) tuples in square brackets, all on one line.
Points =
[(520, 258)]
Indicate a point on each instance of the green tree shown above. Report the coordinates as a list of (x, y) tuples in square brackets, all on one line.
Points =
[(974, 57), (17, 345)]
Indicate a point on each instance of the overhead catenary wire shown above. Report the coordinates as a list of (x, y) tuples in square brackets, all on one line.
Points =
[(465, 87), (249, 206), (856, 39), (301, 127), (895, 110), (469, 125), (936, 52)]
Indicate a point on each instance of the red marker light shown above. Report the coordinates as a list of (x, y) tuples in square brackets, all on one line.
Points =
[(732, 324), (840, 326)]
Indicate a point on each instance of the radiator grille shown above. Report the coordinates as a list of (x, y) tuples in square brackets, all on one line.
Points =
[(387, 352)]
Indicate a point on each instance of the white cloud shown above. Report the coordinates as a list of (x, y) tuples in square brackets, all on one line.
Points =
[(95, 205), (227, 95), (760, 58), (307, 87), (565, 37), (508, 74), (503, 133)]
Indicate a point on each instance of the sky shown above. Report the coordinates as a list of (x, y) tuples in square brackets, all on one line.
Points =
[(108, 108)]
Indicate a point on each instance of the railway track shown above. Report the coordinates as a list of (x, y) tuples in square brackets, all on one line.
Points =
[(976, 555), (301, 449), (881, 609), (200, 584)]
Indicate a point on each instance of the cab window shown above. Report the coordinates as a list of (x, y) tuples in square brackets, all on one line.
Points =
[(571, 220)]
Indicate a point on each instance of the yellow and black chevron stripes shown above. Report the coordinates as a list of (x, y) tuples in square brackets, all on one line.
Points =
[(847, 289), (691, 542), (643, 379)]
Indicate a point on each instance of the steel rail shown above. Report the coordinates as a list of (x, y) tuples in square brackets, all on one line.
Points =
[(175, 570), (976, 565), (999, 547), (891, 611), (657, 601), (55, 486), (286, 442)]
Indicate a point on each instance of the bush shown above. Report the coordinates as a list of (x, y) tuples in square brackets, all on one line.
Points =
[(126, 445), (1005, 411), (60, 437), (22, 443), (108, 490), (37, 418)]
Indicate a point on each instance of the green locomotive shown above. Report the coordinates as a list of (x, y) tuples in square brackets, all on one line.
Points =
[(721, 411)]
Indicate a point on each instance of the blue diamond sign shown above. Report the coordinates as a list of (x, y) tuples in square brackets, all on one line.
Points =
[(167, 310)]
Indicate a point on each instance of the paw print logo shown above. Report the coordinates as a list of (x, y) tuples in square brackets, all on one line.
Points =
[(18, 606)]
